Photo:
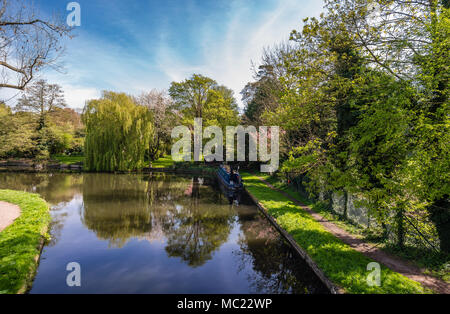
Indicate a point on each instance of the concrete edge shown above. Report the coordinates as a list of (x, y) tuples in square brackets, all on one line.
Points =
[(319, 273)]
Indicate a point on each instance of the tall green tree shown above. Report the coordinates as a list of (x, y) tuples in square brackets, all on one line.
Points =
[(202, 97), (221, 108), (263, 94), (367, 93), (409, 40), (117, 133), (191, 95)]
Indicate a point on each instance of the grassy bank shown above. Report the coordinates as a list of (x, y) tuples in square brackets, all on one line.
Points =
[(343, 265), (19, 242), (68, 160), (200, 167), (163, 162), (434, 263)]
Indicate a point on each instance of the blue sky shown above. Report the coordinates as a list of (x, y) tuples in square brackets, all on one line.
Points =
[(136, 45)]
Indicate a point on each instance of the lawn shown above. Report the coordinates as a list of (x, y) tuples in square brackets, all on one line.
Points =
[(68, 160), (167, 162), (343, 265), (163, 162), (19, 242)]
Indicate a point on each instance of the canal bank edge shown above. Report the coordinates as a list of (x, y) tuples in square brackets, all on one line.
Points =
[(319, 273), (343, 266), (29, 280), (21, 243), (207, 171)]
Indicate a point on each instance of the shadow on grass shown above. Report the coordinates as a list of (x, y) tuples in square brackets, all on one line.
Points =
[(343, 265)]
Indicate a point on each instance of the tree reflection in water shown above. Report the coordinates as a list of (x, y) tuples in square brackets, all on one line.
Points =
[(120, 207), (189, 218), (193, 223), (58, 189), (276, 267), (115, 207)]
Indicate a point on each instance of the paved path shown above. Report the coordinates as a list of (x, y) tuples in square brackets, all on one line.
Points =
[(393, 262), (8, 213)]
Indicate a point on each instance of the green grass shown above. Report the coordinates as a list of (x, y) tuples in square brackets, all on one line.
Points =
[(167, 162), (163, 162), (19, 242), (343, 265), (434, 263), (68, 160), (320, 208)]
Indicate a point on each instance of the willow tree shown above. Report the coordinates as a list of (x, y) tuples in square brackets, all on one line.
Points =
[(117, 133)]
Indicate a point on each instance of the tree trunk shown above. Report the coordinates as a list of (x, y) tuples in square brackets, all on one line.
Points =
[(440, 216), (400, 224), (344, 214)]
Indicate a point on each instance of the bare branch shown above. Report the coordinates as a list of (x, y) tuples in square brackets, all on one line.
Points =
[(28, 43)]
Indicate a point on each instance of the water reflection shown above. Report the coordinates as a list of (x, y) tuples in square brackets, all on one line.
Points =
[(56, 188), (195, 232), (115, 207), (159, 233), (276, 266)]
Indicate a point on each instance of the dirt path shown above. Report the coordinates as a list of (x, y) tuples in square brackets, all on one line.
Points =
[(393, 262), (8, 213)]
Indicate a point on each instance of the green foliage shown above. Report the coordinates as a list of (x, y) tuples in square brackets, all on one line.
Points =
[(39, 132), (56, 140), (17, 133), (220, 109), (202, 97), (68, 160), (433, 262), (364, 110), (19, 242), (67, 132), (264, 93), (191, 95), (163, 162), (343, 265), (117, 133)]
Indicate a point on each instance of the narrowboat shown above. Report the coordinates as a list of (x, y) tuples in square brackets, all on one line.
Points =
[(230, 183)]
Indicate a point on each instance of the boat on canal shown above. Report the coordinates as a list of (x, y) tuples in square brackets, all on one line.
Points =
[(230, 182)]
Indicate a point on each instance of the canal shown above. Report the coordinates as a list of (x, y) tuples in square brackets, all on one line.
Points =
[(158, 233)]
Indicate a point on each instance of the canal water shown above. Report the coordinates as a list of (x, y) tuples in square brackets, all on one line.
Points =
[(158, 233)]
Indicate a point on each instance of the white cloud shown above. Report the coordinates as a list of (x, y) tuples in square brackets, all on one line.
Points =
[(77, 96), (222, 50), (228, 59)]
